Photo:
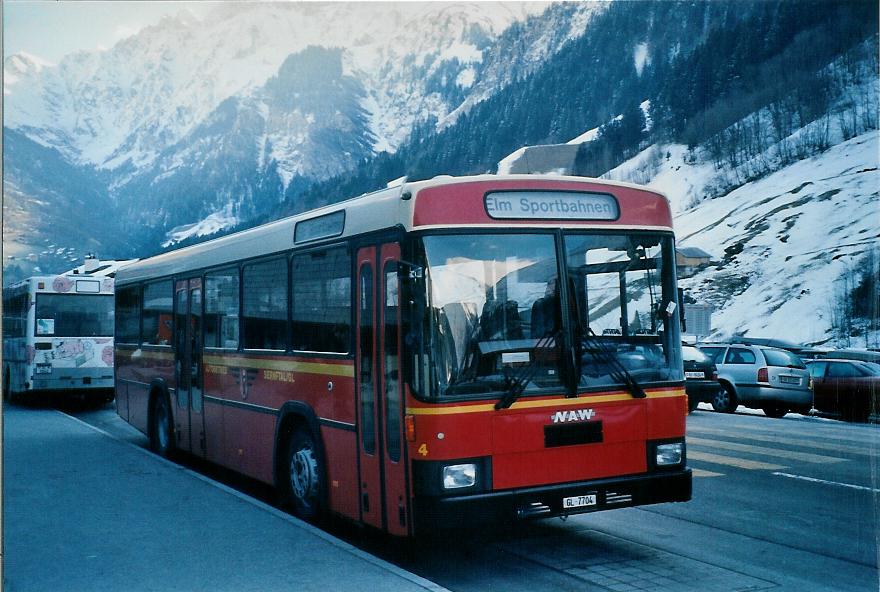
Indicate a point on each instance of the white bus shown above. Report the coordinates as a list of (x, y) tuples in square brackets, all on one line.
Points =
[(58, 333)]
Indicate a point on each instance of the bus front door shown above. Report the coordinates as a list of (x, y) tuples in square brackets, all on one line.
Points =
[(188, 417), (384, 501)]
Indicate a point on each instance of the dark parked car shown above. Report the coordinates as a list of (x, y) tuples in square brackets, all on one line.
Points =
[(864, 355), (848, 388), (701, 377)]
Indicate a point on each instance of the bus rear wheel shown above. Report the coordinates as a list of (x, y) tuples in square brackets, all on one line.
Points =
[(303, 476), (161, 433)]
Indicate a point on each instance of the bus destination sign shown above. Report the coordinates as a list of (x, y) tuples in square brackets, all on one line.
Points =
[(551, 205)]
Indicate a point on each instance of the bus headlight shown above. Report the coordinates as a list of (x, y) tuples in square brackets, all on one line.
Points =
[(458, 476), (669, 454)]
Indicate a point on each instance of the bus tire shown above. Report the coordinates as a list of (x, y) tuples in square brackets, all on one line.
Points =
[(303, 476), (725, 400), (161, 430)]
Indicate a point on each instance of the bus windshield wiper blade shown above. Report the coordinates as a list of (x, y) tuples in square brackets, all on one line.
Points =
[(516, 384), (618, 371)]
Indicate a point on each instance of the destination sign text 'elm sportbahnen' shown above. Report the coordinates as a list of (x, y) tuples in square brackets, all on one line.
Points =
[(551, 205)]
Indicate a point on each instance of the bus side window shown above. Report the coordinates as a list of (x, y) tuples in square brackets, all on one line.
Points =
[(221, 309), (321, 297), (264, 314), (156, 313), (128, 314)]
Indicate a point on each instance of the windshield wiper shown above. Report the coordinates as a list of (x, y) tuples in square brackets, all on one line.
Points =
[(516, 384), (618, 371)]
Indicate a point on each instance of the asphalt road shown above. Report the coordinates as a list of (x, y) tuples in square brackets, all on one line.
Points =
[(779, 504)]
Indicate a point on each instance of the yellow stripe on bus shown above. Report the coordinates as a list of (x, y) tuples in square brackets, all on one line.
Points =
[(346, 370), (566, 402)]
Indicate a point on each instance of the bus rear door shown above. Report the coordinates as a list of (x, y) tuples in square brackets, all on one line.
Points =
[(189, 403)]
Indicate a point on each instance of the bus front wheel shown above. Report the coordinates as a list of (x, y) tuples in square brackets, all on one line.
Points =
[(161, 432), (303, 475)]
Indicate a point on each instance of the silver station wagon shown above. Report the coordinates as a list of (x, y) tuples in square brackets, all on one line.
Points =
[(767, 378)]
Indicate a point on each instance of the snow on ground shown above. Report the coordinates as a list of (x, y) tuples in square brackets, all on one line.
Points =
[(668, 169)]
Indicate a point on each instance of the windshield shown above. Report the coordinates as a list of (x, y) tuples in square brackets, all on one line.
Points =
[(624, 290), (492, 314), (493, 308), (69, 315), (692, 354), (870, 368)]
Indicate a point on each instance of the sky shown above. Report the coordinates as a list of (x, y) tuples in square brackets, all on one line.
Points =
[(51, 29)]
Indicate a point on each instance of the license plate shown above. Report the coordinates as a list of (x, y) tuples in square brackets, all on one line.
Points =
[(790, 379), (579, 501), (44, 369), (695, 375)]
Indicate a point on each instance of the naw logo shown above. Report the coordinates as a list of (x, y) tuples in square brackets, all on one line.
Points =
[(573, 415)]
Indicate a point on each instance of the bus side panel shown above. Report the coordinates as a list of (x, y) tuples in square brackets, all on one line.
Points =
[(121, 393), (342, 470), (221, 383), (142, 367), (125, 375), (247, 442)]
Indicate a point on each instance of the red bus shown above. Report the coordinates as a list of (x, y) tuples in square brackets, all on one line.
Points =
[(433, 354)]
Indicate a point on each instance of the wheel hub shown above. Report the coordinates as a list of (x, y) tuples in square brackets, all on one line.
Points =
[(303, 474), (162, 433)]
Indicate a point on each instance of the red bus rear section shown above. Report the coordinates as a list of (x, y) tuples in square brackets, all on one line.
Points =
[(434, 355)]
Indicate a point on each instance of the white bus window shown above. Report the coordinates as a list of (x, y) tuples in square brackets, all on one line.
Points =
[(69, 315)]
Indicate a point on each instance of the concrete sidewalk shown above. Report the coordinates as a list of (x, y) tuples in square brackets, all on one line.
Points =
[(83, 511)]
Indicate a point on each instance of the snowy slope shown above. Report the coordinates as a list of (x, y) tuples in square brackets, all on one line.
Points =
[(780, 245), (800, 230)]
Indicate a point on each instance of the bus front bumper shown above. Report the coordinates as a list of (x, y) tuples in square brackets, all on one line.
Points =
[(440, 513)]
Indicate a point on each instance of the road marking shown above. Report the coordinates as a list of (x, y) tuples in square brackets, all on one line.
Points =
[(704, 473), (824, 482), (775, 439), (740, 463), (865, 437), (774, 452)]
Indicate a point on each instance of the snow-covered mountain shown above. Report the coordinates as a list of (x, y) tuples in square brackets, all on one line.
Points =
[(129, 103), (220, 118)]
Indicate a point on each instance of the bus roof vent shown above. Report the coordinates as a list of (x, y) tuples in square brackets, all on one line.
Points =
[(91, 264)]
